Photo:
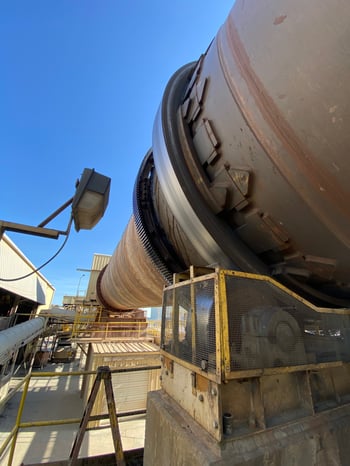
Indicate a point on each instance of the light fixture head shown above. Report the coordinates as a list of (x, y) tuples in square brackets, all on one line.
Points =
[(90, 200)]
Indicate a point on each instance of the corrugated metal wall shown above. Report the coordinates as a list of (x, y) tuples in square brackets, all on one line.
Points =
[(13, 264), (99, 261), (130, 388)]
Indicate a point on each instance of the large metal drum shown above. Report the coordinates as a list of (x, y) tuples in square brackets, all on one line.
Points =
[(249, 166)]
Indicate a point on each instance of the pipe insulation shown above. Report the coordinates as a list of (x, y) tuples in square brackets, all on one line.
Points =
[(13, 338)]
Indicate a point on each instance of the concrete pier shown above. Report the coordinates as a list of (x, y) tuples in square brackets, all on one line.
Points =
[(174, 438)]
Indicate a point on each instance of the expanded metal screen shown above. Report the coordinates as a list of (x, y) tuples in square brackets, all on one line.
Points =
[(188, 327), (268, 327)]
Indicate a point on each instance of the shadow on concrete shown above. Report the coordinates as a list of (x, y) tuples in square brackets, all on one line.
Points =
[(48, 399), (53, 398)]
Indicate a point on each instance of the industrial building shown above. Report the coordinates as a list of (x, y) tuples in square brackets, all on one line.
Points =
[(20, 296), (20, 300), (80, 334), (240, 229)]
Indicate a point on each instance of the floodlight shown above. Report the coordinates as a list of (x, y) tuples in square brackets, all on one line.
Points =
[(90, 199), (88, 207)]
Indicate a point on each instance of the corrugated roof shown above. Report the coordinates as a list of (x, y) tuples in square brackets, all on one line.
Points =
[(129, 347)]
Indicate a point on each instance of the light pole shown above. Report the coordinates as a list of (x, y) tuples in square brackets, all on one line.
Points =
[(78, 287)]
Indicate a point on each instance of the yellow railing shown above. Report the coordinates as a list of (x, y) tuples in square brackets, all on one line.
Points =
[(11, 439), (114, 330), (90, 326)]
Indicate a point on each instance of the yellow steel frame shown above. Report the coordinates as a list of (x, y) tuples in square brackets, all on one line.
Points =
[(223, 358), (266, 278), (222, 325)]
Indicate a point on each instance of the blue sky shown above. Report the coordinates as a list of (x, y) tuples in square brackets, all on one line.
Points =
[(80, 85)]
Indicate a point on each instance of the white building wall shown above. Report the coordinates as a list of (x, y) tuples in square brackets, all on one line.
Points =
[(13, 264)]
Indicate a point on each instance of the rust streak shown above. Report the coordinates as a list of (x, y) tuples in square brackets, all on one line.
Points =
[(279, 19), (303, 158)]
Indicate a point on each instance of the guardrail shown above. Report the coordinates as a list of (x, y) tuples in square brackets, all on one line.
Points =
[(12, 437)]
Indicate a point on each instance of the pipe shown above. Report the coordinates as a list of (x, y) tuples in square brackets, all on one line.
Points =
[(13, 338), (249, 163)]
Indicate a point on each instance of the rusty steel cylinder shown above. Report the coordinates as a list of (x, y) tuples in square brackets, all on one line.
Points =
[(249, 166)]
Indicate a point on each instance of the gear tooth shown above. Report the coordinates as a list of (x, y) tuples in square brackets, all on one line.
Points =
[(140, 192)]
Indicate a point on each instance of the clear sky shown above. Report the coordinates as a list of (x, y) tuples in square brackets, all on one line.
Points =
[(80, 85)]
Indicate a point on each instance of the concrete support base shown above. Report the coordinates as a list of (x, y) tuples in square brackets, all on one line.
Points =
[(174, 438)]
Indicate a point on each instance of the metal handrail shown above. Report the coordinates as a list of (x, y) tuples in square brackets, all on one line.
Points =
[(26, 381)]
